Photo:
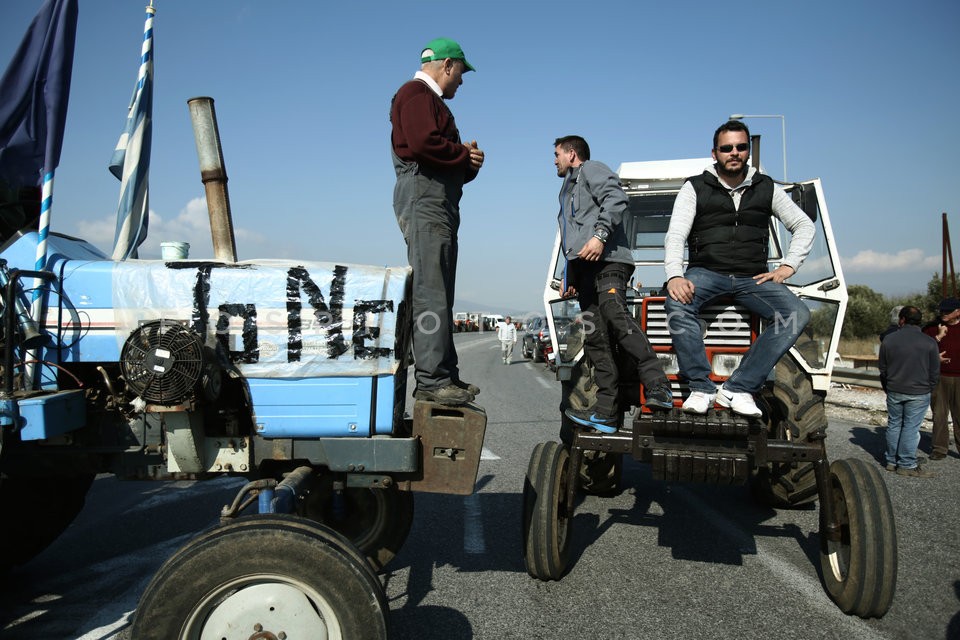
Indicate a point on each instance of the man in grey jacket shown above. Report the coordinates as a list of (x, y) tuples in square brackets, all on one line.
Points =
[(909, 365), (599, 264)]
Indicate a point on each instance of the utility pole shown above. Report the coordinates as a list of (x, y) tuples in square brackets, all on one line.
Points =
[(947, 253)]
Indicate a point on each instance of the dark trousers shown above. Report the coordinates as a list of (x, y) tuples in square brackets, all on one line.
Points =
[(946, 405), (601, 291), (427, 210)]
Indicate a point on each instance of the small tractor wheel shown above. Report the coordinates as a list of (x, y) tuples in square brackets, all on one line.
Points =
[(860, 569), (546, 522), (262, 575), (377, 521), (579, 392), (797, 412), (601, 473)]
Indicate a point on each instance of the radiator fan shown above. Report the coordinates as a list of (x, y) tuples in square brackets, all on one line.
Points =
[(162, 361)]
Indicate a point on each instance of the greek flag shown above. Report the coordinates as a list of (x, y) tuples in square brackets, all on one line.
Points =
[(131, 158)]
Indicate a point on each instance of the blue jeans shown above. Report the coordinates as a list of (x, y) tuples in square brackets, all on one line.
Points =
[(904, 415), (786, 316)]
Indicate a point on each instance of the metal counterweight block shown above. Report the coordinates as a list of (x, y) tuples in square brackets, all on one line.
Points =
[(722, 424), (714, 448), (451, 440), (696, 466)]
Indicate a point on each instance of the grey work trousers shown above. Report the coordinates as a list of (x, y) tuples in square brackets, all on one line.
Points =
[(427, 206)]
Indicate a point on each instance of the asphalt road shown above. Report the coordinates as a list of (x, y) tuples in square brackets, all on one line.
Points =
[(659, 560)]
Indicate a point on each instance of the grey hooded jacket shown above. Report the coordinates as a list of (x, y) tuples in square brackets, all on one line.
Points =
[(592, 198)]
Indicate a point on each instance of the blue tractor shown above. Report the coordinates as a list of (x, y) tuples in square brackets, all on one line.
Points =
[(290, 374)]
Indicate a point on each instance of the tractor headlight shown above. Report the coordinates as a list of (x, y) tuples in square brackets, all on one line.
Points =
[(669, 363), (725, 363)]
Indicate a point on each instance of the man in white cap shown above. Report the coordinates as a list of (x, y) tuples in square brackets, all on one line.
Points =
[(432, 165)]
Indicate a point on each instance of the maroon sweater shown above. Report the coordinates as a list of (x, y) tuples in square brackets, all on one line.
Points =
[(425, 132), (950, 344)]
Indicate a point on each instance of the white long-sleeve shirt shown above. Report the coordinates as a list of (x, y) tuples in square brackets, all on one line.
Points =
[(797, 222), (507, 331)]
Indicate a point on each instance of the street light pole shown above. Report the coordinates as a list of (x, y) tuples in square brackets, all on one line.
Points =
[(783, 133)]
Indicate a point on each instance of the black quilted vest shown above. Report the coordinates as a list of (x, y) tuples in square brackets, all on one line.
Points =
[(725, 239)]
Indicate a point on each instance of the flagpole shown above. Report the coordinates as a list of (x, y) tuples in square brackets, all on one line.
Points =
[(43, 230), (131, 157), (31, 133)]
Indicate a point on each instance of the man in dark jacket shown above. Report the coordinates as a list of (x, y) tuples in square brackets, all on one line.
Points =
[(909, 370), (432, 165)]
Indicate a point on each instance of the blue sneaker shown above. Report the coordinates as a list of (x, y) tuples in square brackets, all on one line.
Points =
[(658, 397), (590, 418)]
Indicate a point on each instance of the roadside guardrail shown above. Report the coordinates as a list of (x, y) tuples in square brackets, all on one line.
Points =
[(861, 376)]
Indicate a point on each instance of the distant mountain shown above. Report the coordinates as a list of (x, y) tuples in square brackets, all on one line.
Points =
[(482, 307)]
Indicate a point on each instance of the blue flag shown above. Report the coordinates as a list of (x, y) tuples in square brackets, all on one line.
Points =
[(131, 159), (35, 90)]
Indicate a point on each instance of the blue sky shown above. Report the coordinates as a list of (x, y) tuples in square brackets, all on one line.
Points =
[(302, 89)]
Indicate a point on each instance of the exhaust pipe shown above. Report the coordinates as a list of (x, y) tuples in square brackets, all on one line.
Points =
[(214, 177)]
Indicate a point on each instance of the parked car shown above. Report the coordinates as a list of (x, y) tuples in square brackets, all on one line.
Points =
[(535, 342), (569, 330)]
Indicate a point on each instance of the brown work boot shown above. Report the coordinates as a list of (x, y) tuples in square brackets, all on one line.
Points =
[(916, 472), (450, 395), (470, 388)]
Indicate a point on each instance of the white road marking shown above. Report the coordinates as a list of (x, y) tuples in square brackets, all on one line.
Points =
[(464, 345), (473, 542), (486, 454), (106, 631), (27, 618), (544, 383)]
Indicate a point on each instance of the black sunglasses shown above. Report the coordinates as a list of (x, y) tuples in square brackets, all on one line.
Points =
[(727, 148)]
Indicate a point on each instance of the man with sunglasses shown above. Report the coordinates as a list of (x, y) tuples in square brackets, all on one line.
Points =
[(432, 165), (723, 217)]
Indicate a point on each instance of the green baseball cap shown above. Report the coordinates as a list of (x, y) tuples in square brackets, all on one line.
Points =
[(443, 48)]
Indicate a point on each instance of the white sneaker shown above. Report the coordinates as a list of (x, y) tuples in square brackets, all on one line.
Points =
[(738, 402), (698, 402)]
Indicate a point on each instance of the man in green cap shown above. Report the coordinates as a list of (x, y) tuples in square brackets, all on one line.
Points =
[(432, 165)]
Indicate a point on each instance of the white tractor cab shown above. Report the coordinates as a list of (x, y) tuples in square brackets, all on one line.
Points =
[(652, 188), (782, 454)]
